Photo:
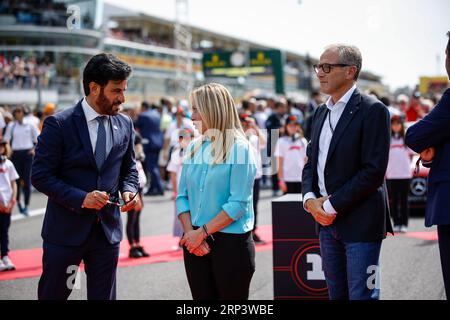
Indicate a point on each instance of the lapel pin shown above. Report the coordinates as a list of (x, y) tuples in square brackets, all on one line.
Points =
[(115, 127)]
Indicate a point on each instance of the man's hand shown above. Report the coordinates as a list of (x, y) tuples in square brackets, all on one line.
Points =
[(315, 207), (95, 200), (129, 204), (282, 186), (428, 154)]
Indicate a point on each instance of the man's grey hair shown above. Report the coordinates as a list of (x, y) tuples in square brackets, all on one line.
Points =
[(350, 55)]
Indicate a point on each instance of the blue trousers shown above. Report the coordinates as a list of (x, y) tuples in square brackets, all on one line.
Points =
[(351, 268), (59, 262)]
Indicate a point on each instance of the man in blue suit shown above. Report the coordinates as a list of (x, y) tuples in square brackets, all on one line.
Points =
[(343, 181), (85, 164), (431, 138), (149, 126)]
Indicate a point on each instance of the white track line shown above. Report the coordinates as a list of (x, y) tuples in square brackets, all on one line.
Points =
[(32, 213)]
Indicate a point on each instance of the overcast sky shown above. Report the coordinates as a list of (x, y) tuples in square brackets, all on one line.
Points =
[(399, 39)]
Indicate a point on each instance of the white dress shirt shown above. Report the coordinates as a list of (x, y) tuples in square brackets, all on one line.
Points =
[(92, 125), (326, 134)]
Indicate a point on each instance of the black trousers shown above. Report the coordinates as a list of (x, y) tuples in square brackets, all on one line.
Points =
[(256, 188), (275, 186), (293, 187), (5, 222), (224, 273), (60, 262), (444, 250), (22, 160), (398, 190), (133, 232)]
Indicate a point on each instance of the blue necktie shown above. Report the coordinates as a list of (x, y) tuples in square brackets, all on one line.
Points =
[(100, 146)]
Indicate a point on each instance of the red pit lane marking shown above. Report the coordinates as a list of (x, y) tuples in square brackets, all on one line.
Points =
[(29, 261)]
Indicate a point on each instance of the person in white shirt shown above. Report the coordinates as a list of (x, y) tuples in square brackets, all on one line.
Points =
[(291, 157), (258, 142), (398, 175), (22, 137), (32, 119), (171, 135), (8, 190), (185, 136)]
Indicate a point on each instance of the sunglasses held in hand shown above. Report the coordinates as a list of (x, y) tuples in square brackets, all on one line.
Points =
[(117, 201)]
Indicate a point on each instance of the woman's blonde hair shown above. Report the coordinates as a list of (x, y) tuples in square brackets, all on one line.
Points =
[(218, 111)]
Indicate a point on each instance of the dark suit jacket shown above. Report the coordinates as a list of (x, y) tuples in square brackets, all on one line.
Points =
[(64, 169), (149, 125), (355, 168), (434, 131)]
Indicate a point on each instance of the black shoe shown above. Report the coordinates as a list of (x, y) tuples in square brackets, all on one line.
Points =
[(155, 193), (25, 211), (143, 252), (257, 239), (135, 253)]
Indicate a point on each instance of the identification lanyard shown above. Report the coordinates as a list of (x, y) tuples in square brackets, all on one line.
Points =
[(329, 121)]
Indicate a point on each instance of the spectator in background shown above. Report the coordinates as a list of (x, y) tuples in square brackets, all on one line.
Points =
[(258, 142), (148, 125), (313, 104), (171, 137), (185, 136), (165, 110), (8, 191), (276, 121), (261, 114), (249, 106), (291, 157), (398, 175), (402, 103), (133, 216), (293, 110), (49, 110), (414, 111), (32, 119), (2, 125), (22, 137), (8, 117), (393, 111)]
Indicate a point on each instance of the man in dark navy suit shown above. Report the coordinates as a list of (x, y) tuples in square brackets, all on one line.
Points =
[(148, 125), (343, 181), (85, 164), (431, 138)]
